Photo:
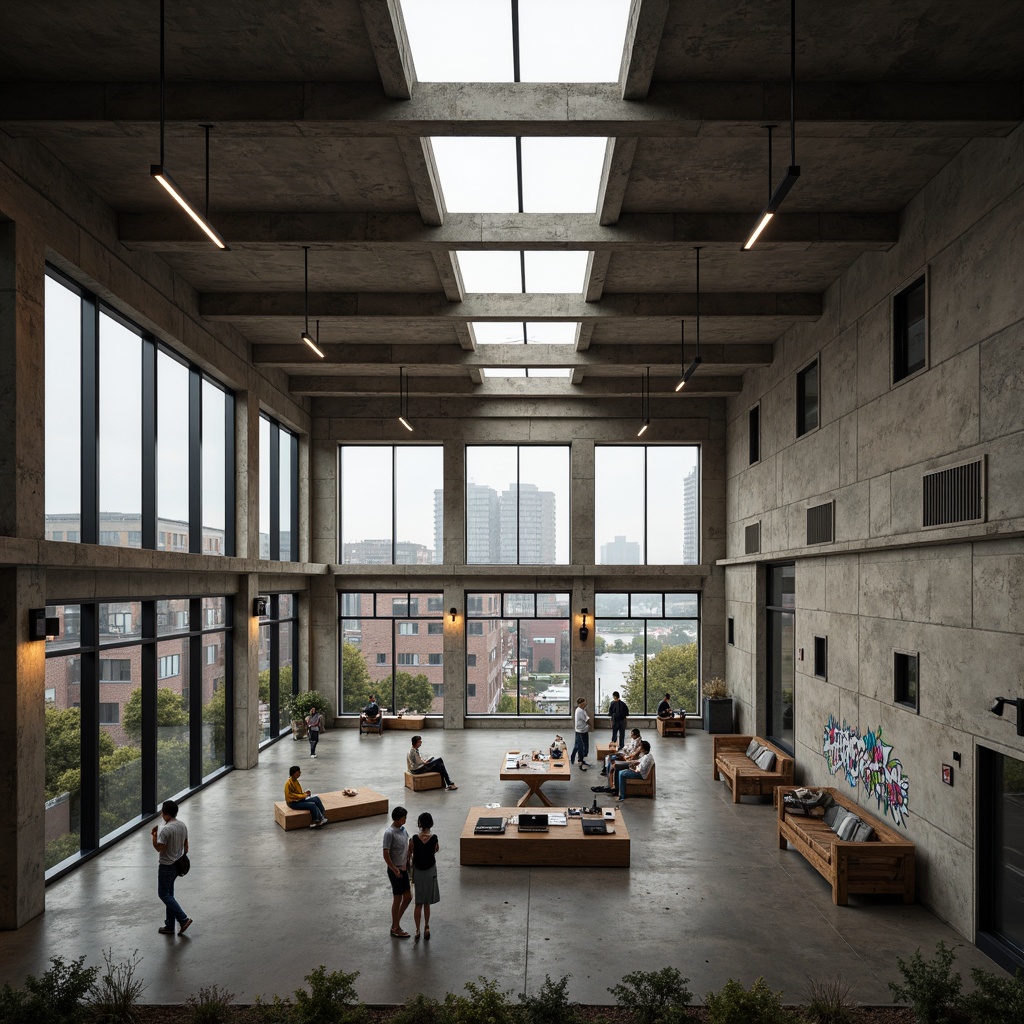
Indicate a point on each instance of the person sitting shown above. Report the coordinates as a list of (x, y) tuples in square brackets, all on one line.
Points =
[(299, 799), (636, 769), (370, 716), (557, 748), (665, 707), (617, 759), (418, 765)]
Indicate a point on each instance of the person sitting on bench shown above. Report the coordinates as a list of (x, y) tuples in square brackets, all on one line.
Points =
[(371, 713), (299, 799), (419, 766), (665, 707)]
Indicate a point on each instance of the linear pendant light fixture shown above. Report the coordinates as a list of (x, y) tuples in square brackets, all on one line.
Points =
[(403, 400), (306, 336), (775, 198), (645, 409), (688, 371), (159, 171)]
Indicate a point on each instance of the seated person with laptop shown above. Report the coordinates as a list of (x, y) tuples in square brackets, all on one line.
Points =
[(665, 707), (637, 769), (418, 765)]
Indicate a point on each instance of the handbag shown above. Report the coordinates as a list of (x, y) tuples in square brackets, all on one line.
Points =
[(183, 865)]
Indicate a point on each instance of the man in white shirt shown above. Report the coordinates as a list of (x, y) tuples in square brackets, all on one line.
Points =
[(582, 746), (638, 769), (170, 840)]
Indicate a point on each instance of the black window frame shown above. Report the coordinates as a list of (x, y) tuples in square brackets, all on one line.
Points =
[(902, 368), (903, 678), (819, 657), (754, 435), (280, 434), (804, 411)]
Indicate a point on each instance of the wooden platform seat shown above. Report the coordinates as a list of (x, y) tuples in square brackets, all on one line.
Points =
[(413, 723), (604, 749), (643, 787), (743, 775), (423, 780), (337, 807), (374, 725), (672, 726), (882, 864)]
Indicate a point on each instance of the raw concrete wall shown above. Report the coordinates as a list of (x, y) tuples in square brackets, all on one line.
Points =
[(955, 594)]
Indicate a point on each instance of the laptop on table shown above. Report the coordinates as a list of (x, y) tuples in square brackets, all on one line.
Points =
[(533, 823), (489, 826)]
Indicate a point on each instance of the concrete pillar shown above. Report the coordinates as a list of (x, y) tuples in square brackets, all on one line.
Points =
[(323, 638), (22, 749), (582, 531), (304, 525), (22, 384), (455, 507), (454, 656), (247, 474), (246, 701), (584, 676), (323, 502)]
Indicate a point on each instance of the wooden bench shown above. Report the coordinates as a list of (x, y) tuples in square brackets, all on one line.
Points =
[(672, 726), (643, 787), (337, 807), (745, 778), (413, 723), (881, 865), (423, 780)]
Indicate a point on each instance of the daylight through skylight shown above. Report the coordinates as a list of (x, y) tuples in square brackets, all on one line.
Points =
[(511, 332), (553, 272)]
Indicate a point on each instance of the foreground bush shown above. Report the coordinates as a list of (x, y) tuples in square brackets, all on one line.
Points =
[(654, 997), (735, 1005), (931, 987), (58, 997)]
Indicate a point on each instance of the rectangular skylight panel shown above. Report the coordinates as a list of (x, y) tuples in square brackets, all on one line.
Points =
[(561, 175), (557, 272), (460, 40), (478, 175), (500, 372), (498, 333), (597, 29), (551, 373), (561, 332), (491, 271)]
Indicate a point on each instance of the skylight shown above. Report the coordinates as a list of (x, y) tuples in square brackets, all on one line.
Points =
[(477, 175), (498, 371), (511, 332), (552, 272), (460, 40)]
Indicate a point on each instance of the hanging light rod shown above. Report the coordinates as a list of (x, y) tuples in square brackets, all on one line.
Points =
[(159, 171), (306, 336), (776, 197), (403, 402), (645, 410), (689, 370)]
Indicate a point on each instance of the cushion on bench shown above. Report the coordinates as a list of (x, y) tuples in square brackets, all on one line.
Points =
[(765, 759)]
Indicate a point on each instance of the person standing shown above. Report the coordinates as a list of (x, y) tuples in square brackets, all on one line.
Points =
[(299, 799), (423, 854), (582, 746), (619, 712), (314, 723), (419, 765), (170, 840), (396, 856)]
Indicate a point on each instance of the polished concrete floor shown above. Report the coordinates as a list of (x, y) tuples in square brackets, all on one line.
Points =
[(708, 891)]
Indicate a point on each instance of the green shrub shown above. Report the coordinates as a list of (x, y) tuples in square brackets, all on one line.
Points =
[(485, 1004), (419, 1010), (931, 987), (735, 1005), (58, 997), (330, 999), (654, 997), (298, 705), (116, 996), (550, 1005), (995, 1000), (277, 1011), (210, 1005), (828, 1001)]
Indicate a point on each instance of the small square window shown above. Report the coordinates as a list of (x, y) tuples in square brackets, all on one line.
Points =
[(474, 629), (905, 670), (821, 657), (435, 628), (382, 659), (435, 659), (470, 689), (110, 714), (909, 331), (730, 629), (807, 399), (471, 660), (754, 434)]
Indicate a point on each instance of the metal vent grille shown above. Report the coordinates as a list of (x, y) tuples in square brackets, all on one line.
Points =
[(752, 539), (821, 523), (954, 495)]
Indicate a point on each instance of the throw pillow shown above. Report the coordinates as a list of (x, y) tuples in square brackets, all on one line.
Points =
[(766, 760), (752, 747), (846, 829), (862, 833), (832, 815)]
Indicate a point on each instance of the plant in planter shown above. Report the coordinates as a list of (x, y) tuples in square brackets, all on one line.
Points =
[(717, 709), (300, 704)]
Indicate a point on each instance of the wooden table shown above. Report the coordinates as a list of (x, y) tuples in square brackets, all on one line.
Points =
[(672, 726), (535, 774), (562, 846), (414, 723)]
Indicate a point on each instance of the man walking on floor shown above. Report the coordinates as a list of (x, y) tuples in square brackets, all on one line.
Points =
[(170, 840)]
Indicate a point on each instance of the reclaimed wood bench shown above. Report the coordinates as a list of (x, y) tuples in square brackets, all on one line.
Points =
[(604, 749), (882, 865), (413, 723), (744, 777), (672, 726), (337, 807), (643, 787), (423, 780)]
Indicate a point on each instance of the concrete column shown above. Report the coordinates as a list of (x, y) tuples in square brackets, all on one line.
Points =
[(323, 638), (582, 532), (454, 656), (323, 472), (454, 507), (246, 701), (304, 524), (247, 474), (22, 749), (22, 384), (584, 677)]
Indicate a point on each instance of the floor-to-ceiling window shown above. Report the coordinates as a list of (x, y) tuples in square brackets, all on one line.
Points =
[(647, 645), (781, 675), (279, 492)]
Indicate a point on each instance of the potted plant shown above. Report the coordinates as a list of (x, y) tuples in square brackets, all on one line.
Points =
[(300, 704), (717, 707)]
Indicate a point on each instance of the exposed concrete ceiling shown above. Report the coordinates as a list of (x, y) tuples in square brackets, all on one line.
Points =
[(321, 138)]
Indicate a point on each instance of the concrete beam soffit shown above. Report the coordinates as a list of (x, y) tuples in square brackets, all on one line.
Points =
[(643, 39), (386, 29)]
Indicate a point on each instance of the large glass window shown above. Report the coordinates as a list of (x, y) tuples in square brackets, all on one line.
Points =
[(781, 675), (390, 651), (646, 645), (279, 492), (278, 657), (647, 505), (517, 653), (134, 458), (392, 504), (517, 505)]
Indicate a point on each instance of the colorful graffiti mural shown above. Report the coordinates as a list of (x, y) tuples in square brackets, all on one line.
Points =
[(867, 760)]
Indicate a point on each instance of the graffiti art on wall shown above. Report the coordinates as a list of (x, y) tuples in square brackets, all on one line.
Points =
[(868, 760)]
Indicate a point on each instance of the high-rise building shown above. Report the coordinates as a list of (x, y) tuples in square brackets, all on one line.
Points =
[(527, 526), (691, 518), (482, 524), (620, 552)]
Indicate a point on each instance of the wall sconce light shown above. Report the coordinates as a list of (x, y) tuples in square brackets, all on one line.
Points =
[(1001, 702), (453, 612), (584, 632), (259, 606), (41, 626)]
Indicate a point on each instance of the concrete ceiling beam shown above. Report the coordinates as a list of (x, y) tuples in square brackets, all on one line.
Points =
[(671, 110), (618, 162), (407, 232), (643, 38), (386, 29), (792, 306)]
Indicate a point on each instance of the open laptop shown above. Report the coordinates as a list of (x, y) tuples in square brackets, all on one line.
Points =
[(594, 827), (533, 823), (489, 826)]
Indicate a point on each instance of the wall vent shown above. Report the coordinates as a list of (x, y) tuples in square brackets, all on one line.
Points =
[(752, 539), (821, 523), (954, 495)]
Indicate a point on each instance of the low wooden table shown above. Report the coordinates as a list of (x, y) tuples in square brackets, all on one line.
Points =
[(337, 807), (671, 726), (413, 723), (535, 774), (604, 749), (562, 846)]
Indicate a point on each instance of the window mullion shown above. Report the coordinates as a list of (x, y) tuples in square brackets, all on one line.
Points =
[(90, 420), (195, 461), (149, 443)]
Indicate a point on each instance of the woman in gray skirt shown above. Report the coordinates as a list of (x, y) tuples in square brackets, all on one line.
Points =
[(423, 857)]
